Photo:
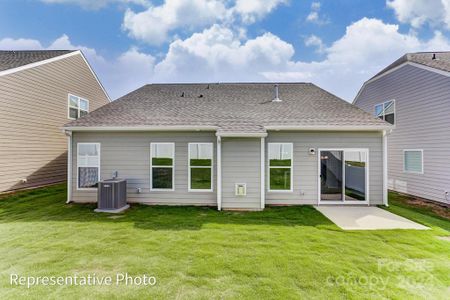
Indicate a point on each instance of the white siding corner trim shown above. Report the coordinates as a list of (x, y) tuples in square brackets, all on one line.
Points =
[(69, 166), (263, 175), (385, 169), (219, 173)]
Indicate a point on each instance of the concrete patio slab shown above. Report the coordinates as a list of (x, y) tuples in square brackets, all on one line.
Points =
[(366, 218)]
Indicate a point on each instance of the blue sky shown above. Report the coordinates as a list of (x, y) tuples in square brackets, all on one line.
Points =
[(335, 44)]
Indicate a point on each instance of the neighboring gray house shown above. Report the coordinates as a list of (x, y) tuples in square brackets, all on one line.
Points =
[(233, 145), (39, 92), (413, 94)]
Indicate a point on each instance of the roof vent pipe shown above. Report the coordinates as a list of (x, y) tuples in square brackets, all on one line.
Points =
[(276, 98), (434, 56)]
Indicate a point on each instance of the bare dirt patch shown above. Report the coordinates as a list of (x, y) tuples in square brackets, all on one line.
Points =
[(440, 210)]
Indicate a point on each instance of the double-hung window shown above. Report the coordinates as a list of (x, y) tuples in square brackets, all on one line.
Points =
[(78, 107), (386, 111), (280, 167), (162, 166), (413, 161), (200, 167), (88, 165)]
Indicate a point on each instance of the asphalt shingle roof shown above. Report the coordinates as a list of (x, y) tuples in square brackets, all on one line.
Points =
[(14, 59), (232, 107), (437, 60)]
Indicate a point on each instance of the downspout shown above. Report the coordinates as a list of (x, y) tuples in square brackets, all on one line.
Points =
[(263, 175), (69, 166), (219, 173), (385, 169)]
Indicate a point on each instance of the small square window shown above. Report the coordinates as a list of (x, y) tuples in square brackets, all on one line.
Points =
[(413, 161), (78, 107)]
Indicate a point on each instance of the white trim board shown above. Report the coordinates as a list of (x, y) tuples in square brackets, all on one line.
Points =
[(53, 59), (407, 63)]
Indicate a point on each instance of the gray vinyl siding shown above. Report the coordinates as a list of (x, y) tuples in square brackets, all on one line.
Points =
[(33, 109), (305, 166), (422, 100), (241, 163), (129, 154)]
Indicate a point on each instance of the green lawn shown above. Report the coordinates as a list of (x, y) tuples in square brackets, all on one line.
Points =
[(283, 252)]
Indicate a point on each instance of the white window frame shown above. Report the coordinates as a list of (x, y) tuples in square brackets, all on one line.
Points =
[(157, 166), (343, 201), (384, 115), (77, 108), (201, 167), (421, 157), (280, 167), (78, 166)]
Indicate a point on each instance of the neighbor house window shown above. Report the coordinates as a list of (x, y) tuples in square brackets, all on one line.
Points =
[(78, 107), (413, 161), (280, 166), (162, 166), (386, 111), (88, 165), (200, 166)]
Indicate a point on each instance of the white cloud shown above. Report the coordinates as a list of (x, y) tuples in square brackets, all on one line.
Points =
[(95, 4), (314, 15), (220, 53), (315, 41), (253, 10), (119, 75), (367, 46), (419, 12), (156, 23), (19, 44), (217, 54)]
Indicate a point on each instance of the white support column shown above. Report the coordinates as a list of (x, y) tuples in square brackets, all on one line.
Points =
[(69, 166), (385, 169), (263, 173), (219, 173)]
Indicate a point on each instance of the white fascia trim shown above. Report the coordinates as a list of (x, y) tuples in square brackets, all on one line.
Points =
[(94, 74), (38, 63), (53, 59), (329, 128), (407, 63), (241, 134), (142, 128)]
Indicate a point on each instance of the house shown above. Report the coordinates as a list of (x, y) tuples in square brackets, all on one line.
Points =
[(413, 94), (230, 145), (40, 91)]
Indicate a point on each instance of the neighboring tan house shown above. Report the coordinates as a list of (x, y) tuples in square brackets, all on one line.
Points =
[(233, 146), (39, 92), (413, 94)]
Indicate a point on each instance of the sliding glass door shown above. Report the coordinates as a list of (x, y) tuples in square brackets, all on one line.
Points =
[(343, 175)]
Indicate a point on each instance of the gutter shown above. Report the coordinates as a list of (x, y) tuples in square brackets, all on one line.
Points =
[(241, 134), (328, 128), (141, 128)]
